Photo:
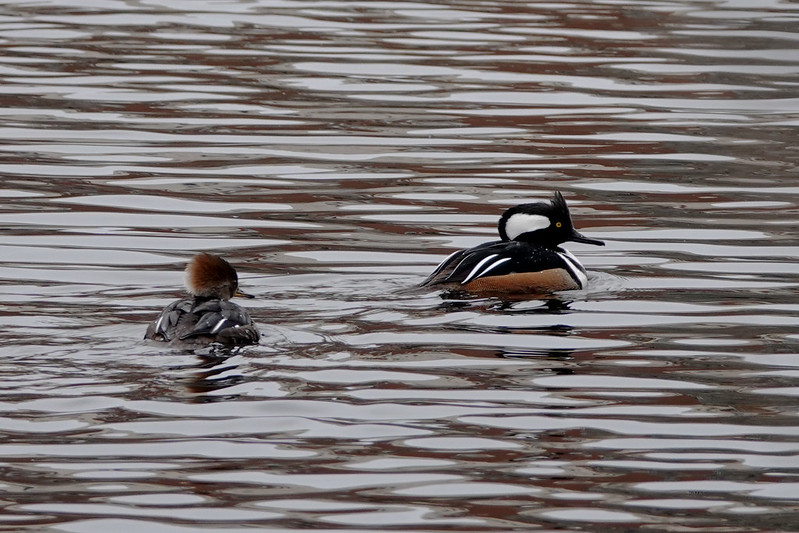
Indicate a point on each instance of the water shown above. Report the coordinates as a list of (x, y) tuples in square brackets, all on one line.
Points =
[(335, 152)]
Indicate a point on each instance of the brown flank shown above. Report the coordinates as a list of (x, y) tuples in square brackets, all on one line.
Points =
[(552, 280)]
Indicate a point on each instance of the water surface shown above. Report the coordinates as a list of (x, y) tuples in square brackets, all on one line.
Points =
[(335, 152)]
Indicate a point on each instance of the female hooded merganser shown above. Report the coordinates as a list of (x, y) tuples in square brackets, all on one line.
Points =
[(206, 315), (528, 259)]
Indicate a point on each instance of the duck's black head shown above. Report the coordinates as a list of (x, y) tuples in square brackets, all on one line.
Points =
[(547, 224)]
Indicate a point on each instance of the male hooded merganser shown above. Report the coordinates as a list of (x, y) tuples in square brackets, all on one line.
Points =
[(528, 259), (206, 315)]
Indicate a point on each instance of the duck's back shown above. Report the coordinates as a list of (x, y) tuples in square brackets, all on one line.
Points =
[(509, 266), (201, 321)]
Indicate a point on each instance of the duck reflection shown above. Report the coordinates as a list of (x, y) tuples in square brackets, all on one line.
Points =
[(550, 305), (216, 377)]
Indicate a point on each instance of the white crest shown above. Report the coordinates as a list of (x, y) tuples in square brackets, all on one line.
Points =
[(522, 223)]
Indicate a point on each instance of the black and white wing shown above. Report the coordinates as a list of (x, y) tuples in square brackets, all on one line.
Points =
[(494, 258), (163, 327), (194, 320), (500, 258), (215, 317)]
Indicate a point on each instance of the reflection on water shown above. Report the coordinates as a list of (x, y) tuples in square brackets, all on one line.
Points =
[(335, 152)]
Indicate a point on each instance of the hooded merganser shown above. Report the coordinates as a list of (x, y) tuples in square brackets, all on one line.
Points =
[(528, 259), (206, 315)]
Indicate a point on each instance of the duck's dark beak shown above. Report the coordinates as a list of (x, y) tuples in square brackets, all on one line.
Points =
[(241, 294), (579, 237)]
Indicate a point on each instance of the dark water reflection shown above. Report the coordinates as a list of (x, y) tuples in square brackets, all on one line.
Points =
[(335, 152)]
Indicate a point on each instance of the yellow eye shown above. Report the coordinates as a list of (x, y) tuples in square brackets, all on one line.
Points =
[(558, 224)]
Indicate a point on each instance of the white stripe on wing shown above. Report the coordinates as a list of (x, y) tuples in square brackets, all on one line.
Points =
[(218, 325), (491, 266), (577, 270), (444, 262), (477, 268)]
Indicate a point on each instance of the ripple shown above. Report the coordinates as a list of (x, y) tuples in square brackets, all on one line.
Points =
[(590, 515), (324, 481), (199, 448), (194, 513)]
